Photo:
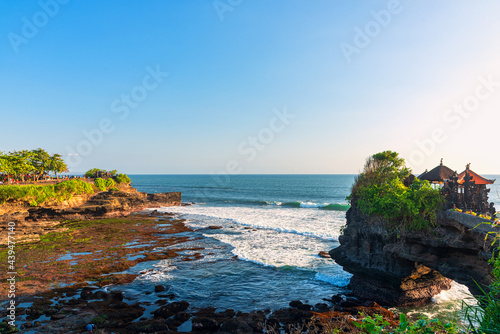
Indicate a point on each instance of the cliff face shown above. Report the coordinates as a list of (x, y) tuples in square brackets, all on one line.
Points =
[(409, 269), (31, 222)]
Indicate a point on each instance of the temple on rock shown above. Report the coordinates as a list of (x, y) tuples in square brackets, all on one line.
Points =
[(466, 191), (438, 175)]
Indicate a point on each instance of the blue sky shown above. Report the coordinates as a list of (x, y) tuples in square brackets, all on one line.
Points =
[(252, 86)]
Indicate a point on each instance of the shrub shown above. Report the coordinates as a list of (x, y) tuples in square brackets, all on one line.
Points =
[(380, 191), (122, 178), (377, 324), (110, 183), (485, 316), (36, 195), (100, 184), (93, 172)]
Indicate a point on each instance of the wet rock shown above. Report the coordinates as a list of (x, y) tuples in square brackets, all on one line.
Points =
[(321, 307), (159, 288), (34, 312), (290, 316), (27, 324), (256, 320), (87, 293), (231, 326), (170, 309), (149, 326), (50, 311), (100, 295), (350, 302), (305, 307), (68, 310), (229, 313), (295, 303), (58, 316), (237, 325), (178, 320), (207, 312), (215, 227), (115, 296), (205, 324), (182, 316), (324, 255), (337, 299)]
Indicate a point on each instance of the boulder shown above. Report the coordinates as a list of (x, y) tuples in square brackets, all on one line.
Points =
[(171, 309)]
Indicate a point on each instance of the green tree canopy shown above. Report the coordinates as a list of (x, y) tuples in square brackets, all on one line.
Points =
[(36, 163), (380, 191)]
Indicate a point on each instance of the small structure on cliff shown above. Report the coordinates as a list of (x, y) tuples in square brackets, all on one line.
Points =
[(438, 175), (467, 191)]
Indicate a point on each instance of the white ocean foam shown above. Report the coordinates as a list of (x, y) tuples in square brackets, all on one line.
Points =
[(314, 223), (159, 273), (273, 235), (269, 248), (456, 292)]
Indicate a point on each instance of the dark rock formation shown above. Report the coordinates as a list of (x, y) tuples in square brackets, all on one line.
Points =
[(171, 309), (106, 204), (396, 268)]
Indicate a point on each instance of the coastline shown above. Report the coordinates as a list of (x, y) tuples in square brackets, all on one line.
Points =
[(89, 288), (96, 290)]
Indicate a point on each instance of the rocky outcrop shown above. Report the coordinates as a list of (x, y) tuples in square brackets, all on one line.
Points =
[(31, 222), (107, 204), (396, 268)]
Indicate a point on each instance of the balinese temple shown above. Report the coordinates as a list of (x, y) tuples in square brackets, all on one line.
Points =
[(476, 178), (466, 191), (438, 175)]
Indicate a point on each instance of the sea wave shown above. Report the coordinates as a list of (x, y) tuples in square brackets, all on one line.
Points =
[(309, 205), (340, 280), (295, 204)]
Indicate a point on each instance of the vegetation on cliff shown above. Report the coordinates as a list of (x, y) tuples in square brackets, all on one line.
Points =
[(40, 194), (380, 190), (36, 195), (96, 172)]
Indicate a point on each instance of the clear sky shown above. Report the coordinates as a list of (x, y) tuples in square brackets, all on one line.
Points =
[(251, 86)]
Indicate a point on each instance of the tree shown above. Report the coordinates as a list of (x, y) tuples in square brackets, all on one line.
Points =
[(20, 164), (35, 162), (380, 191), (40, 160), (95, 172), (56, 164)]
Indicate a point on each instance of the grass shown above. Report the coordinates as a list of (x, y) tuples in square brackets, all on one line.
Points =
[(36, 195)]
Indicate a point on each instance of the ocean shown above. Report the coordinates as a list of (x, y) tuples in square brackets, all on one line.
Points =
[(264, 252)]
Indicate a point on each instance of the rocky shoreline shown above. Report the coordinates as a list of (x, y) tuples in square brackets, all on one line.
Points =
[(33, 222), (73, 258), (65, 286)]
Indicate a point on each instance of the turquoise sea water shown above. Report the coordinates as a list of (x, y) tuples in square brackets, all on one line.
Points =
[(265, 253)]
